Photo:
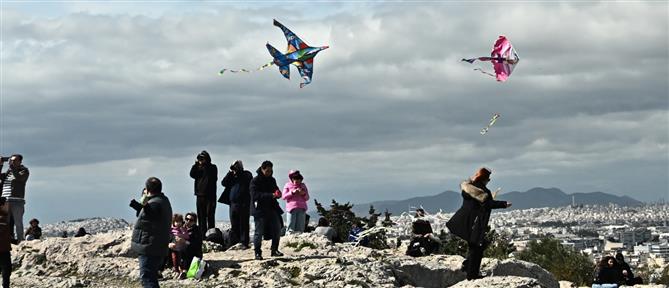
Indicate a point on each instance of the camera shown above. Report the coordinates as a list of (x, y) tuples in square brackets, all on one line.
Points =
[(4, 159)]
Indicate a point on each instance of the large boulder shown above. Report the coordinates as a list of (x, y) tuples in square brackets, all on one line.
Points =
[(432, 271), (513, 267), (500, 282)]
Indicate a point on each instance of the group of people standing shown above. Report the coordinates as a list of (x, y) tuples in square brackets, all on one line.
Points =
[(158, 233)]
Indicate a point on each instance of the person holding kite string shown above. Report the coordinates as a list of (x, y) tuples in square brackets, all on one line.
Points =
[(470, 222)]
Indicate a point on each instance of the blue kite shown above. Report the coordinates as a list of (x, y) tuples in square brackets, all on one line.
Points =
[(298, 53)]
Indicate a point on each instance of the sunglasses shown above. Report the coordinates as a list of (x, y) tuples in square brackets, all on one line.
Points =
[(190, 219)]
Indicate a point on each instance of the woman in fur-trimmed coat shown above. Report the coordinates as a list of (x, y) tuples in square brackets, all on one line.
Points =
[(471, 220)]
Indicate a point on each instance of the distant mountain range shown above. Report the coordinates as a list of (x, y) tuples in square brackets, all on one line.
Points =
[(450, 201)]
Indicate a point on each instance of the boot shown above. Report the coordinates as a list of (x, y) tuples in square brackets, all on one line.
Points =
[(277, 253)]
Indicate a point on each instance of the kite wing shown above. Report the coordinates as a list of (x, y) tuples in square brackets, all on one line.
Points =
[(306, 70), (506, 58), (294, 42)]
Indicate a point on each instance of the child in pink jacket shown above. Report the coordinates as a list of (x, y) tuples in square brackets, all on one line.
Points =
[(296, 195)]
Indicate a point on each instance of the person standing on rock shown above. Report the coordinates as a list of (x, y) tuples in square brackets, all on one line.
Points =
[(13, 185), (151, 234), (237, 195), (470, 222), (265, 209), (296, 194), (205, 175), (5, 243)]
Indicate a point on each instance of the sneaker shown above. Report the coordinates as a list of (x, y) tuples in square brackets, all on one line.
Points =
[(277, 253), (258, 256)]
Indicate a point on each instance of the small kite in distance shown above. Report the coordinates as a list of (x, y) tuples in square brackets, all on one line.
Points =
[(503, 58), (492, 122)]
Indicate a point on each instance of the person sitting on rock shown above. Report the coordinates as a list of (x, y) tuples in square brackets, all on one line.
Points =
[(178, 245), (325, 229), (34, 231), (626, 272), (194, 247), (81, 232), (423, 242), (608, 274), (354, 235)]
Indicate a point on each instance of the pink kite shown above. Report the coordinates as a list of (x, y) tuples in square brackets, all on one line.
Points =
[(503, 57)]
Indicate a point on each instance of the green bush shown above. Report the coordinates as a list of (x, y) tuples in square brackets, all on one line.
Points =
[(563, 262)]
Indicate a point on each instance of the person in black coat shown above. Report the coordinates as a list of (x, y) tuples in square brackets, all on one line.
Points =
[(626, 272), (470, 222), (237, 195), (423, 242), (194, 246), (608, 272), (206, 177), (265, 209)]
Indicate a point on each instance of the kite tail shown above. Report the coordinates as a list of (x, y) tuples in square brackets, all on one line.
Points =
[(485, 72), (245, 70), (470, 61)]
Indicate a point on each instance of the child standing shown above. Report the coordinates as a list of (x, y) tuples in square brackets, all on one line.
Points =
[(296, 195), (180, 233)]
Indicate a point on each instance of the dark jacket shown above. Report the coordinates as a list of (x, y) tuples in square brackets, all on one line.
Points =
[(36, 232), (19, 182), (152, 229), (194, 247), (609, 275), (263, 201), (5, 238), (471, 220), (421, 227), (236, 188), (206, 177)]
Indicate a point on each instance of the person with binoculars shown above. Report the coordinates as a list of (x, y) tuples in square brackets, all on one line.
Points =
[(205, 175), (13, 183)]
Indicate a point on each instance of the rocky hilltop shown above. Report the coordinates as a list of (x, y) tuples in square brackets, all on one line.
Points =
[(105, 260)]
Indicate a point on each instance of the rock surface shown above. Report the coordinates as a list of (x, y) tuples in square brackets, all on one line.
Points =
[(106, 260)]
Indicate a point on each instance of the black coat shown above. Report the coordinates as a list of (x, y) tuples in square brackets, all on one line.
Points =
[(206, 177), (243, 194), (471, 220), (152, 229), (262, 196), (609, 275), (194, 247)]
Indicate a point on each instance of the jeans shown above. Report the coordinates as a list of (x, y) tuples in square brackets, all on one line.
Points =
[(297, 218), (16, 209), (239, 222), (148, 270), (6, 267), (272, 225), (604, 285)]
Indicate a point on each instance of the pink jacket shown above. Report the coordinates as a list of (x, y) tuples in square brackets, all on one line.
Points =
[(294, 200)]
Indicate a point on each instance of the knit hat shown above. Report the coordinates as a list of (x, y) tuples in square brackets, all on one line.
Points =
[(295, 174), (482, 173)]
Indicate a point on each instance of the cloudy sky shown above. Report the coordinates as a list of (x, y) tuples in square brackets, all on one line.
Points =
[(98, 96)]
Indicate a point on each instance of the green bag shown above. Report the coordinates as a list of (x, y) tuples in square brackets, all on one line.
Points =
[(196, 268)]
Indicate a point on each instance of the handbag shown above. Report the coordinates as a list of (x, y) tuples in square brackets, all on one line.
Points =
[(196, 268)]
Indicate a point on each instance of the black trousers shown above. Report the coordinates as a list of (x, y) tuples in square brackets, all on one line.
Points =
[(267, 224), (206, 211), (473, 261), (239, 222), (6, 266)]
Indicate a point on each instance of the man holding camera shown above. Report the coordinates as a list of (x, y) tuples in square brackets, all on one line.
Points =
[(206, 176), (237, 195), (152, 230), (13, 183)]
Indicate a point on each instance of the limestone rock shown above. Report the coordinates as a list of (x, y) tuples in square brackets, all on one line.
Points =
[(500, 282)]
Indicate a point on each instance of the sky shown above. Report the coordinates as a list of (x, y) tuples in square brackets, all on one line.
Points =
[(100, 95)]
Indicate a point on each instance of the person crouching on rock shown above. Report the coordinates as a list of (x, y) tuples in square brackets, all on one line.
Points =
[(265, 209), (608, 274), (423, 242), (179, 243), (5, 243), (151, 233), (34, 231), (470, 222)]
